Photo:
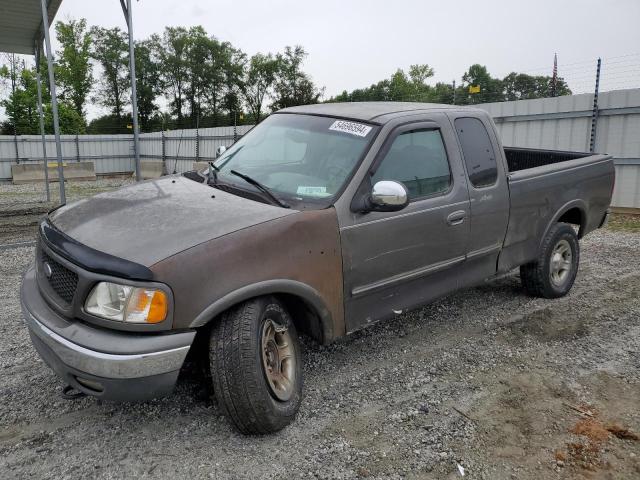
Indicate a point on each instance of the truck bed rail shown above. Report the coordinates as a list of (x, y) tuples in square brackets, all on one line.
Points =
[(524, 158)]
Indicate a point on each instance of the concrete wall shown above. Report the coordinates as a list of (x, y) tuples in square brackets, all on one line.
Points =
[(34, 172), (564, 123)]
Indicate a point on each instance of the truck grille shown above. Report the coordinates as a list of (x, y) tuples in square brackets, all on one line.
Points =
[(62, 280)]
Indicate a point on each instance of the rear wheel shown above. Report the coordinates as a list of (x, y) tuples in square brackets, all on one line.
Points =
[(553, 273), (256, 366)]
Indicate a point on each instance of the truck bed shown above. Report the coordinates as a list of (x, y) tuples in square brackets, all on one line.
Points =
[(525, 158), (544, 184)]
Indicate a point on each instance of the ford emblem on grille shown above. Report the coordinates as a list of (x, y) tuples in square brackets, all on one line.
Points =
[(47, 269)]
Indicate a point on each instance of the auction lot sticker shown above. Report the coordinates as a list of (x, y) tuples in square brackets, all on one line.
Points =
[(354, 128)]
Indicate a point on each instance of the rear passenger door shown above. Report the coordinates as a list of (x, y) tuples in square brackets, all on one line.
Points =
[(397, 260), (488, 193)]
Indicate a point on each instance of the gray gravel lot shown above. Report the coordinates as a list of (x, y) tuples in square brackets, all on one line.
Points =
[(488, 378), (21, 206)]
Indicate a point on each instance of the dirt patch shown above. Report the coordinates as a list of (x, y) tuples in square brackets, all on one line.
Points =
[(595, 434), (549, 324)]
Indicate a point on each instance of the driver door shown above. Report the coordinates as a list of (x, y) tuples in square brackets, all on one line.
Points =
[(397, 260)]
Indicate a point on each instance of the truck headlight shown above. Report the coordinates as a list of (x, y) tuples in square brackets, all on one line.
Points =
[(126, 303)]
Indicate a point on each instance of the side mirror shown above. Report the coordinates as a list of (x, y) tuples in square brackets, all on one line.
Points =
[(220, 150), (389, 196)]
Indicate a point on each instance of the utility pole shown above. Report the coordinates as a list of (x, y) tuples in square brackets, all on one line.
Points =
[(454, 92), (594, 114), (128, 15)]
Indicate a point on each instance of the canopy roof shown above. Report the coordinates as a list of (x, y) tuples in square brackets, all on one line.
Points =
[(21, 24)]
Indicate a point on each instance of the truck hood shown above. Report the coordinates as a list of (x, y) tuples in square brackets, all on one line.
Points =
[(150, 221)]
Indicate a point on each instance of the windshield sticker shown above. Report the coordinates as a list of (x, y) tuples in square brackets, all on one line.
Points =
[(359, 129), (313, 191)]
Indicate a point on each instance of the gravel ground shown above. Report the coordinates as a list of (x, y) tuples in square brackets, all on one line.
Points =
[(22, 206), (487, 380)]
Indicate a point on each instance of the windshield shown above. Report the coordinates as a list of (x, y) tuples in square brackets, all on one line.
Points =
[(297, 157)]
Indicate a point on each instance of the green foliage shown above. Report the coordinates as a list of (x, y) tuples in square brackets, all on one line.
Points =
[(201, 75), (519, 86), (148, 83), (110, 50), (413, 87), (68, 117), (292, 86), (22, 107), (259, 81), (73, 67), (401, 87)]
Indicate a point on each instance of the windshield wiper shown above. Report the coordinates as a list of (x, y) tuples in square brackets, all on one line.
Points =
[(260, 187)]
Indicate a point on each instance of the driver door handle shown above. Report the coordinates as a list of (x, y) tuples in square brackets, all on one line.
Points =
[(456, 218)]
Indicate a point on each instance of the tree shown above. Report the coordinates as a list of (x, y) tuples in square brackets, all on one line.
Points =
[(519, 86), (490, 88), (148, 86), (170, 49), (21, 106), (258, 84), (224, 77), (400, 87), (73, 67), (293, 86), (110, 50)]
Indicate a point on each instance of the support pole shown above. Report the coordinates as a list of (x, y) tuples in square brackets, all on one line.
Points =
[(454, 92), (54, 101), (197, 145), (13, 90), (235, 128), (41, 116), (164, 147), (134, 97), (594, 115)]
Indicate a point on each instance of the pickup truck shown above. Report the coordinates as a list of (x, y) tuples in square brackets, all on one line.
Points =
[(323, 219)]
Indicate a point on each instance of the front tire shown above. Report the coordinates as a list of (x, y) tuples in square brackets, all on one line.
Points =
[(553, 273), (256, 366)]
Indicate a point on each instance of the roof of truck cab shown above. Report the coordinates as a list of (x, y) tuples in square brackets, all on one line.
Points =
[(377, 112)]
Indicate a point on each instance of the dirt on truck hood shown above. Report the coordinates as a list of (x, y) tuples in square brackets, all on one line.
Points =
[(150, 221)]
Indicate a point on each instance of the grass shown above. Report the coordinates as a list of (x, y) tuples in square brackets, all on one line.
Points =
[(619, 222)]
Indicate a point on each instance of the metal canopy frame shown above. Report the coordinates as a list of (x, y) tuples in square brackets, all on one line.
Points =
[(20, 35), (25, 27)]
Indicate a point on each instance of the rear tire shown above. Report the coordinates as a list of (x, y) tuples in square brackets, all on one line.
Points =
[(256, 366), (553, 273)]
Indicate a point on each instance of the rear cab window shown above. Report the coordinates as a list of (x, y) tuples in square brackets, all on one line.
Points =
[(477, 150)]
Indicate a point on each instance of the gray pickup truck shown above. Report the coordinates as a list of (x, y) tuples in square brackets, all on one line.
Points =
[(323, 219)]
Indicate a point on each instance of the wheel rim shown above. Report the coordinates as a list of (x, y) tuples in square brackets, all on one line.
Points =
[(561, 264), (278, 359)]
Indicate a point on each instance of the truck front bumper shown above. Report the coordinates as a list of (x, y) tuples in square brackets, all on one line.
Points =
[(108, 364)]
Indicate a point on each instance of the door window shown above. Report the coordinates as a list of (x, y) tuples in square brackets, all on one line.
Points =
[(477, 151), (418, 159)]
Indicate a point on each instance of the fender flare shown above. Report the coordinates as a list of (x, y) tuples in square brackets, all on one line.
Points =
[(278, 286), (580, 205)]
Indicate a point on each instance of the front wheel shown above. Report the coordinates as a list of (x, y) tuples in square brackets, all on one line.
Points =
[(256, 366), (553, 273)]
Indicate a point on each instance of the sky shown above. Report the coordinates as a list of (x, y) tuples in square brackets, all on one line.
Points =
[(354, 43)]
